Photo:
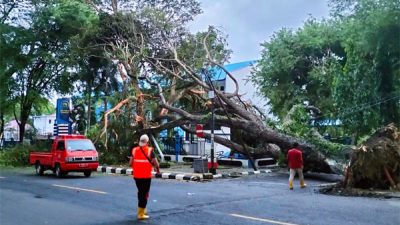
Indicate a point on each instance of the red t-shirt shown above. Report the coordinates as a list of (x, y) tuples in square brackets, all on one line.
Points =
[(295, 158)]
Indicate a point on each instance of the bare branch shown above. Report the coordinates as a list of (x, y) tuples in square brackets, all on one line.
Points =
[(190, 71), (117, 107), (235, 93)]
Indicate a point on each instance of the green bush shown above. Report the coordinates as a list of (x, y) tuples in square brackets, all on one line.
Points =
[(16, 156), (282, 160)]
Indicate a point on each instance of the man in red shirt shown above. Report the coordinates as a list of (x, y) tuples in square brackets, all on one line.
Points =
[(295, 162)]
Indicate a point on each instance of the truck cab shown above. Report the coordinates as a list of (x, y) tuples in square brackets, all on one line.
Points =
[(68, 153)]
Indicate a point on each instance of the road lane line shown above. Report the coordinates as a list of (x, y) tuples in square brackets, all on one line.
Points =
[(80, 189), (2, 178), (261, 219)]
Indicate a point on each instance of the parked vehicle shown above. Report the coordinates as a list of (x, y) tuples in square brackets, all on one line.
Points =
[(68, 153)]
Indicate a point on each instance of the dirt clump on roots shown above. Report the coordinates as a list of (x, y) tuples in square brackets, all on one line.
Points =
[(376, 163)]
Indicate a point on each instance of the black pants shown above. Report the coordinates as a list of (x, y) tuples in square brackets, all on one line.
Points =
[(143, 186)]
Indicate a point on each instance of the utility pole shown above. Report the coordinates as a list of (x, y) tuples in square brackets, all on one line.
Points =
[(211, 95)]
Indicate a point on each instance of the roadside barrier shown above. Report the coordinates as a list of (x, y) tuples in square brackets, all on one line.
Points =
[(124, 171), (178, 176)]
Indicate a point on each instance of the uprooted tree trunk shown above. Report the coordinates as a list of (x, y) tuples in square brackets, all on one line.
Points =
[(376, 163)]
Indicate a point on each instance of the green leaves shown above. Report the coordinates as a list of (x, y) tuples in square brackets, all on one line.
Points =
[(35, 58), (73, 18), (292, 68), (371, 40), (347, 66)]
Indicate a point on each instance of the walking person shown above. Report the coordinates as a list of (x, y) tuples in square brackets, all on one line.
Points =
[(295, 162), (143, 160)]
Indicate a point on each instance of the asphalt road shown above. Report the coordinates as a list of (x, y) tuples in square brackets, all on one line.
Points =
[(111, 199)]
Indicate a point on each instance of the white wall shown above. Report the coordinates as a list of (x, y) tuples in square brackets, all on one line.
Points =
[(44, 124), (247, 88), (225, 132)]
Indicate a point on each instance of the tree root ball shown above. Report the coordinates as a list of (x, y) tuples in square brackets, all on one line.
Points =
[(376, 163)]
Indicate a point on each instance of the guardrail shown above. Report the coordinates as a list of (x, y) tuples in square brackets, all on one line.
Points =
[(181, 158), (245, 162)]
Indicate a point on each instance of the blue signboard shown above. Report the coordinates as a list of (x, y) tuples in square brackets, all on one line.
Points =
[(62, 124)]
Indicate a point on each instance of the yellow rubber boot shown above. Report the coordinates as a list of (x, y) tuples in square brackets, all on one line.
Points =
[(145, 212), (302, 184), (141, 215), (291, 185)]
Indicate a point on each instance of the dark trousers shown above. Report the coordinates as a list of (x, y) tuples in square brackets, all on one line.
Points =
[(143, 186)]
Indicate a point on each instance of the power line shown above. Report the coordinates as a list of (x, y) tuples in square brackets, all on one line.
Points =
[(371, 105)]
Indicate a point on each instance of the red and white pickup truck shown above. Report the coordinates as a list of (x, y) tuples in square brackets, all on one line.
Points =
[(68, 153)]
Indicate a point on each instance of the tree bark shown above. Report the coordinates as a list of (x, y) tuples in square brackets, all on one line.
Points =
[(1, 122), (313, 160), (24, 116)]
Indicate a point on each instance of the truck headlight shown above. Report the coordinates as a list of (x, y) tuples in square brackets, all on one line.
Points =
[(69, 159)]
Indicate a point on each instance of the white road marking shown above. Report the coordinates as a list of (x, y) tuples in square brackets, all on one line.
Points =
[(262, 220), (2, 177), (80, 189)]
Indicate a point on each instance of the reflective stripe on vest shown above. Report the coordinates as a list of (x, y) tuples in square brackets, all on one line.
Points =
[(141, 160), (141, 166)]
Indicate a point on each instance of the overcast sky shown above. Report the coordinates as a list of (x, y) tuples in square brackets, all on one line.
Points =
[(251, 22)]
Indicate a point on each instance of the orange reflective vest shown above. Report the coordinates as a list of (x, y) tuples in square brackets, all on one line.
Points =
[(141, 166)]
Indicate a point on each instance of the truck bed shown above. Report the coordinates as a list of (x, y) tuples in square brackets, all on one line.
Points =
[(45, 158)]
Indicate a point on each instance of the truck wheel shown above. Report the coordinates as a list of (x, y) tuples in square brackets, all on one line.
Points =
[(39, 169), (87, 173), (58, 171)]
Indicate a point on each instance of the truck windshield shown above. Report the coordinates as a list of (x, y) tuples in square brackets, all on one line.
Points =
[(80, 145)]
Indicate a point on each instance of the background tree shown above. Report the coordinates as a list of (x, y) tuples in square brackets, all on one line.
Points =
[(43, 51), (292, 69), (372, 70), (346, 66)]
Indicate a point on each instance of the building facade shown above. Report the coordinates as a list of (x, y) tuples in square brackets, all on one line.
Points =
[(44, 124), (11, 130)]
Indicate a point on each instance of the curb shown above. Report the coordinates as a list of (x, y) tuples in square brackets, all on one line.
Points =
[(128, 172), (178, 176), (247, 173)]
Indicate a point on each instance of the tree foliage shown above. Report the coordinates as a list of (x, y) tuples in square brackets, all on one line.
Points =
[(347, 66), (38, 61)]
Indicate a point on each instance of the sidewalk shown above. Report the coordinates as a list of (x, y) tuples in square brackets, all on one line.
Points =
[(186, 172)]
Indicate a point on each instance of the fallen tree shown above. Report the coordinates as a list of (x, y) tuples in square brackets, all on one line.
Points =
[(175, 65), (376, 163)]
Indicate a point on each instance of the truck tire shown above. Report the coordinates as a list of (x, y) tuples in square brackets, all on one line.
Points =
[(87, 173), (39, 169), (59, 173)]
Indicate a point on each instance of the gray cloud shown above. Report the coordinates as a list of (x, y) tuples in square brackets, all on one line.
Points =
[(251, 22)]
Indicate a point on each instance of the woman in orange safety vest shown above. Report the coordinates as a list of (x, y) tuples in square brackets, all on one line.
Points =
[(143, 160)]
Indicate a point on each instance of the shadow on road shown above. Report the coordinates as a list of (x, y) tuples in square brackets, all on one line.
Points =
[(50, 175)]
